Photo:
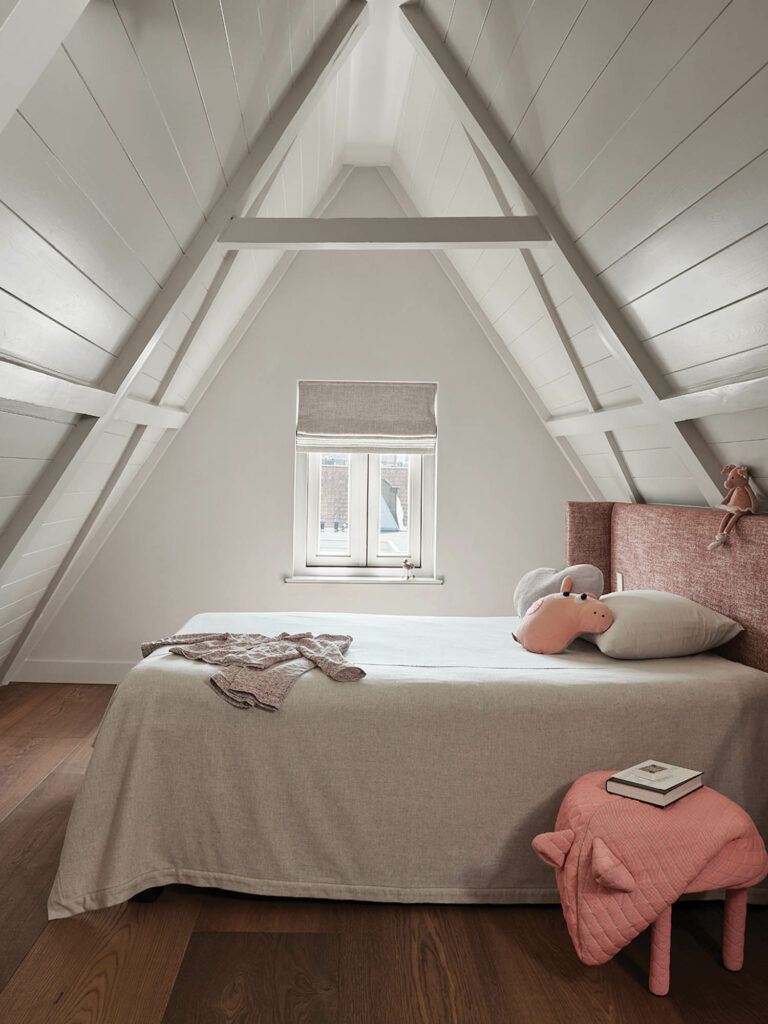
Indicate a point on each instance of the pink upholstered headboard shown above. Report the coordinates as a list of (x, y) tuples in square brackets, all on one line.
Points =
[(662, 547)]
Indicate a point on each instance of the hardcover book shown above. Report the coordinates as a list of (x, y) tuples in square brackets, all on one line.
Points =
[(655, 782)]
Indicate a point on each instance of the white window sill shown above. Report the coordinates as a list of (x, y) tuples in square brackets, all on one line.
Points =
[(419, 581)]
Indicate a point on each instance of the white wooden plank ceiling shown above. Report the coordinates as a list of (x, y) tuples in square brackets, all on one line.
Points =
[(643, 123)]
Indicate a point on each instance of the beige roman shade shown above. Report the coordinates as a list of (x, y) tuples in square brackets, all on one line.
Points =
[(366, 416)]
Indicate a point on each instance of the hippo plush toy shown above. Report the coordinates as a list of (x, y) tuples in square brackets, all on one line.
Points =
[(554, 622)]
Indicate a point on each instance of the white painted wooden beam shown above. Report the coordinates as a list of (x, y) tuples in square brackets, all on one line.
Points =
[(30, 33), (482, 125), (400, 193), (608, 319), (252, 177), (735, 396), (699, 459), (267, 152), (620, 468), (194, 328), (37, 388), (371, 233)]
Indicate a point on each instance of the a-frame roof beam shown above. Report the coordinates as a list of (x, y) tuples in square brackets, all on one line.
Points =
[(252, 177), (735, 396), (37, 388), (588, 394), (30, 34), (371, 233), (400, 193), (268, 151), (493, 141), (608, 319)]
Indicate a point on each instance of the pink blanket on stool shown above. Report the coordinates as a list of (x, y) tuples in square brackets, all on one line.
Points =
[(619, 863)]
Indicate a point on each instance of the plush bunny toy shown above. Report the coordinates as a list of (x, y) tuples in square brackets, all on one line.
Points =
[(739, 500)]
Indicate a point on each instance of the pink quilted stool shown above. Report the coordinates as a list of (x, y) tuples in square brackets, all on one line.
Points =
[(621, 864)]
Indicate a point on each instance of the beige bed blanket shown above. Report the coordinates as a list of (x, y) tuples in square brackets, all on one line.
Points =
[(424, 782)]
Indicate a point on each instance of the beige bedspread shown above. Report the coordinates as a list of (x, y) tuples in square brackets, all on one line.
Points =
[(424, 782)]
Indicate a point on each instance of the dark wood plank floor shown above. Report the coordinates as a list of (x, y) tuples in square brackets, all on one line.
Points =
[(204, 957)]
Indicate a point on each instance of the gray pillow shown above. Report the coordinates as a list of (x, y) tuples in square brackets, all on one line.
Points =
[(541, 582), (652, 624)]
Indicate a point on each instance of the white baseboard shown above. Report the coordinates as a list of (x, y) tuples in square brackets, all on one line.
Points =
[(54, 670)]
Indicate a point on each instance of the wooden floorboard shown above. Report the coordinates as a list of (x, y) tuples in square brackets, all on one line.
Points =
[(257, 978), (208, 956), (19, 701), (115, 966), (59, 709), (30, 841), (46, 733), (24, 762)]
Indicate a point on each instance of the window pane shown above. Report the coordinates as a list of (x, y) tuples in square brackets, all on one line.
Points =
[(334, 505), (394, 532)]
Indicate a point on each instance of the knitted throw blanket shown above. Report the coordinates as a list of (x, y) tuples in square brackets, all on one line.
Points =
[(259, 671)]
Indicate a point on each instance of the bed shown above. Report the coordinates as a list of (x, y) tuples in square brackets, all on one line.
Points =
[(426, 781)]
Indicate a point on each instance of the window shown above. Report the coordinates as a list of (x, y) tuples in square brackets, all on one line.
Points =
[(364, 510)]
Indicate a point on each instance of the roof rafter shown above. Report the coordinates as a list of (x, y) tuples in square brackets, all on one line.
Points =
[(620, 468), (253, 177), (401, 194), (37, 388), (609, 321)]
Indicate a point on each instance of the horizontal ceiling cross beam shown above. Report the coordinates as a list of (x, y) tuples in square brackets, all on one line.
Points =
[(356, 233), (46, 391), (736, 396)]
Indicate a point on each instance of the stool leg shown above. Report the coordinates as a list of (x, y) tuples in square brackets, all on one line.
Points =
[(661, 938), (734, 923)]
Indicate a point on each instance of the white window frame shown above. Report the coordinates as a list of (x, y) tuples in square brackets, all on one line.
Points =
[(374, 513), (364, 495), (358, 486)]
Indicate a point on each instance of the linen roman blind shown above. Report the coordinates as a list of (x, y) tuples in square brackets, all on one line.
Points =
[(367, 416)]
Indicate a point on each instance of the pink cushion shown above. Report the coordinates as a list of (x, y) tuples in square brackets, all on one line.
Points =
[(619, 863)]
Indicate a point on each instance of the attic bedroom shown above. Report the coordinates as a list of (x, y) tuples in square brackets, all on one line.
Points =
[(383, 492)]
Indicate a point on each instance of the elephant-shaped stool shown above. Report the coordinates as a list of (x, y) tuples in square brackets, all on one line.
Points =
[(621, 864)]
